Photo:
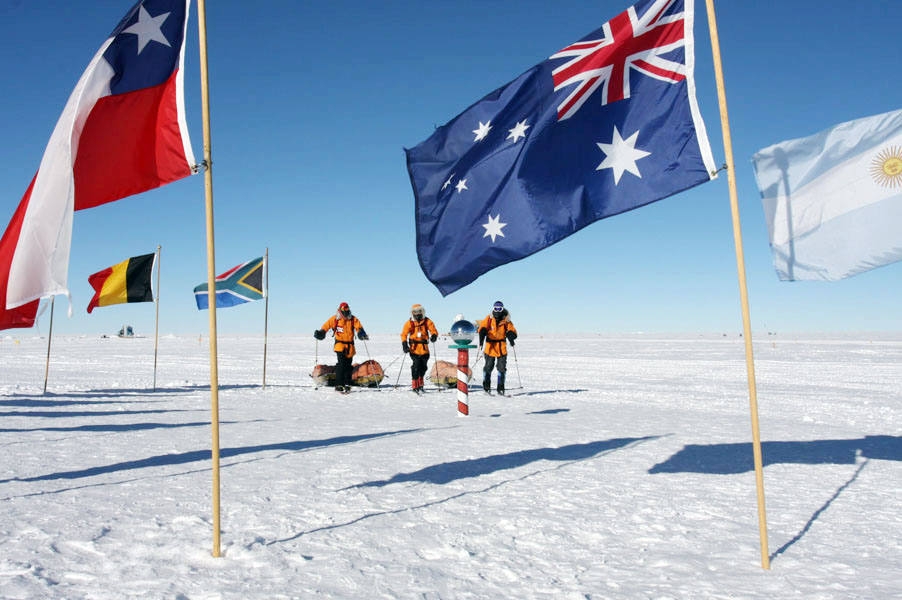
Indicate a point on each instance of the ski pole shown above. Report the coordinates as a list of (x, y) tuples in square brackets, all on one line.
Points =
[(516, 364), (435, 366), (400, 370), (394, 361), (315, 360)]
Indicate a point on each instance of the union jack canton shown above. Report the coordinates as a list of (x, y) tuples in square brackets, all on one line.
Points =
[(605, 125)]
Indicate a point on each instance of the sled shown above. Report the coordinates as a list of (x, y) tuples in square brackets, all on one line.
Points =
[(323, 375), (367, 374), (445, 373)]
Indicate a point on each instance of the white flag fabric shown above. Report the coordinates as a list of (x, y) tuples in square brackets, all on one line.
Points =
[(833, 201)]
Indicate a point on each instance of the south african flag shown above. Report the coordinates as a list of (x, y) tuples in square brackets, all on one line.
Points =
[(238, 285)]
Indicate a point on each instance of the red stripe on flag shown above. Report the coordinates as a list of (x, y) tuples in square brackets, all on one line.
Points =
[(664, 73), (97, 280), (130, 144), (21, 316), (228, 273)]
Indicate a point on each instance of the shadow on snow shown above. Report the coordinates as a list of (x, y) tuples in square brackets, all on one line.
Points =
[(566, 455), (120, 392), (182, 458), (820, 511), (550, 411), (443, 473), (90, 413), (539, 392), (114, 427), (730, 459)]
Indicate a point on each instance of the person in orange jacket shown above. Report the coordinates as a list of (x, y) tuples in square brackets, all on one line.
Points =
[(418, 331), (343, 326), (495, 331)]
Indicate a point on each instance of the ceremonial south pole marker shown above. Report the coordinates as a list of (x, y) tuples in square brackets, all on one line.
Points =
[(462, 332)]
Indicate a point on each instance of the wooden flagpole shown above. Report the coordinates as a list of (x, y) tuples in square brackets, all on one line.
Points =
[(49, 338), (211, 267), (743, 290), (265, 312), (156, 332)]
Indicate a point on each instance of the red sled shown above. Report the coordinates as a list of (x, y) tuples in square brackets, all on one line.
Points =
[(367, 374), (445, 373), (323, 375)]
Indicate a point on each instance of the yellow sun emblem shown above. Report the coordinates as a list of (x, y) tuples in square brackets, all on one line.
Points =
[(886, 168)]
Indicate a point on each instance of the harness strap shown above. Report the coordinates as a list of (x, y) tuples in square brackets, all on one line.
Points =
[(353, 318)]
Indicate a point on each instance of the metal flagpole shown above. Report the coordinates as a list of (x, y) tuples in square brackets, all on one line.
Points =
[(49, 338), (156, 332), (265, 312), (743, 291), (211, 266)]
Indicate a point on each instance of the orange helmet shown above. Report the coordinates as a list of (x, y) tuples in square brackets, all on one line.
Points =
[(417, 311)]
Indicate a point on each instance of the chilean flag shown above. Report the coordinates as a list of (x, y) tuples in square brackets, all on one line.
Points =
[(122, 132)]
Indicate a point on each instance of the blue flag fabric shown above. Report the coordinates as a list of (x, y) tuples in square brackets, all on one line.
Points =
[(604, 126), (244, 283), (832, 201)]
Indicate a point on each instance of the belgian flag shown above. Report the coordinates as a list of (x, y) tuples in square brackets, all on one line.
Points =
[(129, 281)]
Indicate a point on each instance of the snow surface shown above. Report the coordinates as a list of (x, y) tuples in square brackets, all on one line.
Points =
[(621, 469)]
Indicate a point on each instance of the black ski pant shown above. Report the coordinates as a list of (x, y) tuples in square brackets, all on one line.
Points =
[(487, 370), (343, 369), (418, 364)]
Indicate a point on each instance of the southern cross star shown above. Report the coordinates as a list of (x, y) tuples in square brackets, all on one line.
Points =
[(493, 227), (621, 155), (461, 185), (147, 29), (482, 130), (519, 131)]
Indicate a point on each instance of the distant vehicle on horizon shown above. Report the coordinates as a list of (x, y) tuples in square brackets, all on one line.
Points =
[(128, 332)]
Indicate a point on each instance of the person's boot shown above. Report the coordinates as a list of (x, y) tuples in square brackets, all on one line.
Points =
[(420, 388), (501, 377), (413, 386), (487, 382)]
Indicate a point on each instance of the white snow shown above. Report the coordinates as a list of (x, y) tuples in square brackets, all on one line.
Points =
[(621, 469)]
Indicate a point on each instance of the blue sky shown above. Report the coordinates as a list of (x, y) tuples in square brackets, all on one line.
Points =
[(313, 102)]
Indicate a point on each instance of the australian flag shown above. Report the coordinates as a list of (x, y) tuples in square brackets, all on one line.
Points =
[(605, 125)]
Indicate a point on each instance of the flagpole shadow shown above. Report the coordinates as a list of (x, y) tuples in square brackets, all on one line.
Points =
[(820, 511)]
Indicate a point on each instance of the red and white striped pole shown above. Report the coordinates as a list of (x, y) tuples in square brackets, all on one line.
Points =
[(462, 332), (463, 389)]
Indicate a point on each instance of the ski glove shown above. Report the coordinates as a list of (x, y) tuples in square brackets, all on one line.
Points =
[(433, 338), (511, 336), (405, 347), (319, 334), (482, 333), (361, 335)]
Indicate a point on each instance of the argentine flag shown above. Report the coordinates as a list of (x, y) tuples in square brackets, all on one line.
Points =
[(833, 201)]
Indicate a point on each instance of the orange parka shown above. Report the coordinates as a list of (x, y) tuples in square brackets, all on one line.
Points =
[(495, 343), (343, 329), (416, 334)]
